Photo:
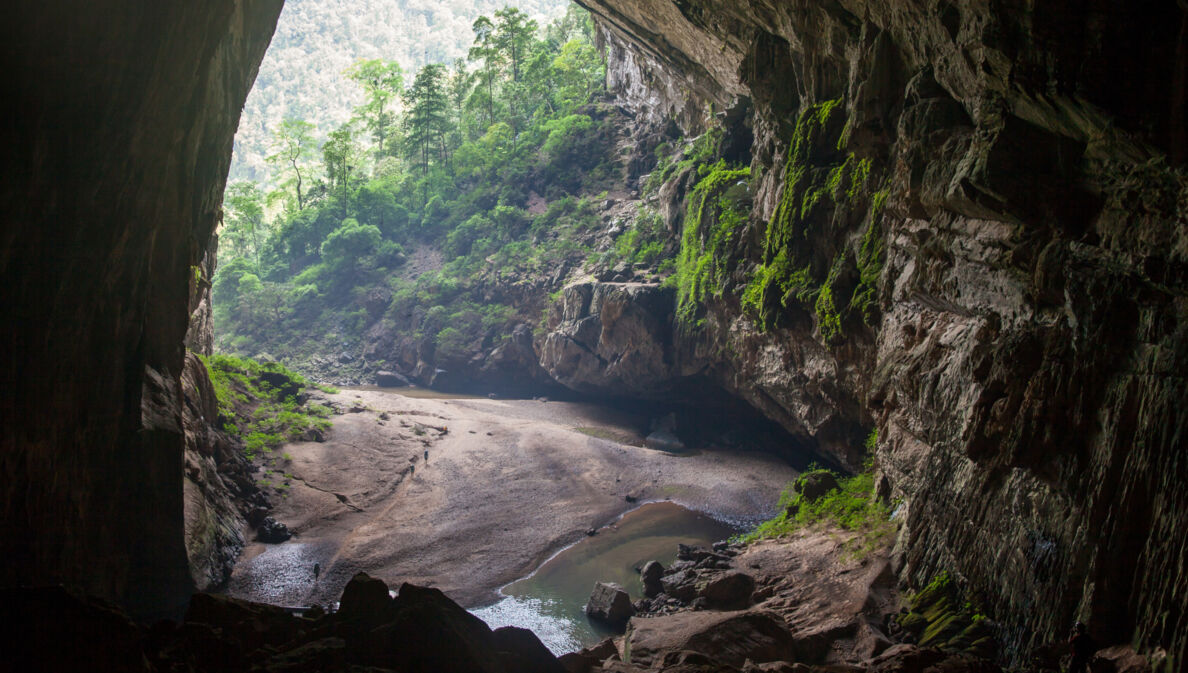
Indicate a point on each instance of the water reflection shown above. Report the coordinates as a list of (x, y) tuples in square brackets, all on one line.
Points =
[(551, 601)]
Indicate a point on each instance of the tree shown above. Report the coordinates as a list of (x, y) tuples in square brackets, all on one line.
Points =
[(427, 120), (293, 146), (243, 221), (514, 36), (340, 156), (382, 82), (579, 72), (486, 49)]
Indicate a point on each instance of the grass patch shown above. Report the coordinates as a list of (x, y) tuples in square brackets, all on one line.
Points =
[(852, 506), (261, 403)]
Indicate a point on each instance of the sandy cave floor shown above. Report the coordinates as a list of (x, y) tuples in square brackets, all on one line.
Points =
[(508, 483)]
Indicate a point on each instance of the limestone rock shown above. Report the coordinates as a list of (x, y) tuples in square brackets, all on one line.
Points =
[(272, 531), (612, 338), (390, 379), (813, 485), (729, 591), (729, 637), (650, 576), (610, 603)]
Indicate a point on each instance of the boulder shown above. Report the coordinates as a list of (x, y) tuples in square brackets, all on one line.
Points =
[(390, 379), (729, 637), (663, 440), (610, 603), (1119, 659), (589, 657), (272, 531), (426, 631), (729, 591), (681, 585), (813, 485), (520, 650), (650, 575), (365, 599)]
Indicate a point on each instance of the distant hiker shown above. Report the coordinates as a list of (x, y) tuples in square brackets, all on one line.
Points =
[(1082, 646), (317, 571), (426, 455)]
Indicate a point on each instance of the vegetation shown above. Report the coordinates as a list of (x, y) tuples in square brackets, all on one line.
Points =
[(852, 506), (477, 168), (823, 189), (260, 403), (717, 209), (316, 41), (940, 616)]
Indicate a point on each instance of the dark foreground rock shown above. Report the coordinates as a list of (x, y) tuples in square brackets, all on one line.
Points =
[(418, 630)]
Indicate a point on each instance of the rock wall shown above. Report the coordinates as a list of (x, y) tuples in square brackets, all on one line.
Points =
[(117, 123), (1000, 290)]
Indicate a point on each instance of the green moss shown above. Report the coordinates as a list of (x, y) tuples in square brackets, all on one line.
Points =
[(870, 261), (941, 617), (717, 210), (852, 506), (828, 317)]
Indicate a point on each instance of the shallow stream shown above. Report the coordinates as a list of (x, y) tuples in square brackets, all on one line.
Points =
[(551, 601)]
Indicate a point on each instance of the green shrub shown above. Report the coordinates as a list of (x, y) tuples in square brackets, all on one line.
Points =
[(852, 506)]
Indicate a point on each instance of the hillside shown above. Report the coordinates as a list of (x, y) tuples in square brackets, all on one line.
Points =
[(316, 40)]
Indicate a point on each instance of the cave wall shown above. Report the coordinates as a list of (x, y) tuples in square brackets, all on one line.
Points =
[(1023, 353), (117, 123)]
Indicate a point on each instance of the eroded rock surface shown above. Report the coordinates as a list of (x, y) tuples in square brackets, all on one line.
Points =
[(1000, 292)]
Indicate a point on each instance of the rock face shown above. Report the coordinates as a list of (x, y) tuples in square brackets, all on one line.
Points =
[(613, 337), (118, 122), (999, 290)]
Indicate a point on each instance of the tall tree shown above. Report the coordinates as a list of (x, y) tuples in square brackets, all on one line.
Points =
[(427, 119), (293, 146), (514, 35), (382, 82), (486, 50)]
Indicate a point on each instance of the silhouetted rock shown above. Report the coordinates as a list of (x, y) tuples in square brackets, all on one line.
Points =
[(365, 599)]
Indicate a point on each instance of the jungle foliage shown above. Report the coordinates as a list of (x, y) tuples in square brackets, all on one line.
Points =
[(474, 169)]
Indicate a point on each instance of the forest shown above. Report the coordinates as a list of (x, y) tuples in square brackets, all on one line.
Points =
[(442, 181)]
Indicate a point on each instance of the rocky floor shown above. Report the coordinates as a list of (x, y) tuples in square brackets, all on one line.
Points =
[(506, 485), (806, 602)]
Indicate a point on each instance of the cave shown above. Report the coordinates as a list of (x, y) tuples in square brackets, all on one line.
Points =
[(1033, 426)]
